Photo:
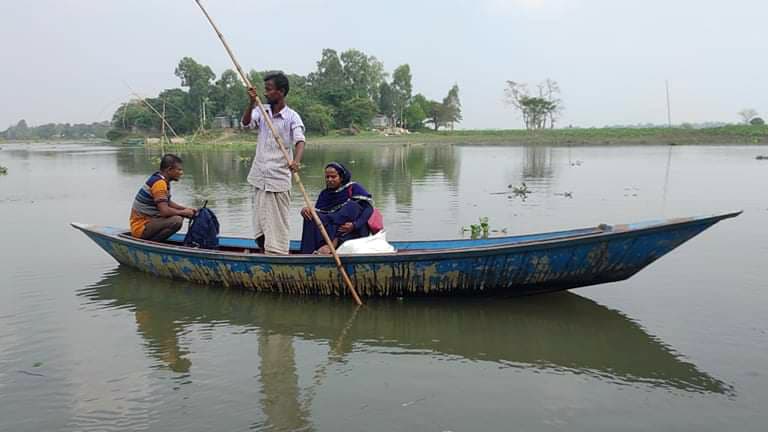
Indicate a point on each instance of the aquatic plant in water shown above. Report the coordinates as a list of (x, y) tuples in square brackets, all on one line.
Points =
[(521, 190), (480, 229)]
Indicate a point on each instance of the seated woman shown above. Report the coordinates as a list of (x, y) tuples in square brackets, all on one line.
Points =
[(344, 208)]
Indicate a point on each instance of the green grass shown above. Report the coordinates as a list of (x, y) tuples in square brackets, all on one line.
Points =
[(736, 134), (607, 136)]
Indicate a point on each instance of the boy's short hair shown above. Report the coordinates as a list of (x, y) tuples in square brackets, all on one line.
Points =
[(280, 80), (168, 161)]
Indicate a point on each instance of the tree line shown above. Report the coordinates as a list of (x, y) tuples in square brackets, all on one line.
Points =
[(22, 131), (346, 91)]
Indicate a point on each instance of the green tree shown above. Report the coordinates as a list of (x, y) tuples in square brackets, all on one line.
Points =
[(445, 113), (357, 111), (417, 110), (452, 107), (257, 80), (436, 114), (363, 73), (197, 78), (535, 110), (387, 101), (328, 83), (402, 89), (757, 121), (133, 115), (177, 110), (300, 94), (317, 118), (747, 114), (550, 90), (229, 94)]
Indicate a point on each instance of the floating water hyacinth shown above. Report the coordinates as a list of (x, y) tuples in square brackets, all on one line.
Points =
[(520, 190), (480, 229)]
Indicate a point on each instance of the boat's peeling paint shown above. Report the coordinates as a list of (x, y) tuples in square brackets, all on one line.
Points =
[(509, 270)]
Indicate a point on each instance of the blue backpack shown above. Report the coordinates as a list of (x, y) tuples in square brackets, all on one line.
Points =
[(203, 230)]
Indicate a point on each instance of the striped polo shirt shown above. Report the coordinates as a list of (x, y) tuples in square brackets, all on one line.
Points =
[(155, 190), (269, 170)]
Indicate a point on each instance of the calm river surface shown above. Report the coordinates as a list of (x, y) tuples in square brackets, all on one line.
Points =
[(88, 345)]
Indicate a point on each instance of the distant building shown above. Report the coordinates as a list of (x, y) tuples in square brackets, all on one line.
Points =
[(380, 121), (223, 122)]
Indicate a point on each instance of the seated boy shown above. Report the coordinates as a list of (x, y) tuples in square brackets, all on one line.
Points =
[(154, 216)]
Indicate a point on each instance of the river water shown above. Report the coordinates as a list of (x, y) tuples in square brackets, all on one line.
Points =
[(86, 344)]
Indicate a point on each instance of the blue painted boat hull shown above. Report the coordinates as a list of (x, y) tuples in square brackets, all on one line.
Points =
[(506, 266)]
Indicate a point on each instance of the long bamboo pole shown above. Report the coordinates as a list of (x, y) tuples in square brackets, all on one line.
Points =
[(280, 144)]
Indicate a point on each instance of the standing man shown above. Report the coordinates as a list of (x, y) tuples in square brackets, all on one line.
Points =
[(270, 174)]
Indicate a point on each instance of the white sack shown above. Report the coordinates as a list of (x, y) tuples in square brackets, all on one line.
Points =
[(376, 243)]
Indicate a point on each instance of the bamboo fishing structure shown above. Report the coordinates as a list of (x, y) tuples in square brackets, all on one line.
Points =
[(288, 160), (162, 117)]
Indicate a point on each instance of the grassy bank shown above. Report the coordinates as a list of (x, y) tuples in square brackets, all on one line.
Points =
[(602, 136), (608, 136)]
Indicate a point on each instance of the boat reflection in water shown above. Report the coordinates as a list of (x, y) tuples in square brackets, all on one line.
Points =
[(560, 333)]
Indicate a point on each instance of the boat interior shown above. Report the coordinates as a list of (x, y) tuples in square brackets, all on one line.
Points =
[(246, 245)]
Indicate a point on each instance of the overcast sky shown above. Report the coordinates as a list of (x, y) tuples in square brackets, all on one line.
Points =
[(70, 60)]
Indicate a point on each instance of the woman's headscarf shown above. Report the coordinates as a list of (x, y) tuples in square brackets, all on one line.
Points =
[(332, 199), (344, 173)]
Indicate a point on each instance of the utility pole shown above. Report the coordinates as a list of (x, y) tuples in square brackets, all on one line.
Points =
[(203, 117), (162, 123), (669, 110), (162, 131)]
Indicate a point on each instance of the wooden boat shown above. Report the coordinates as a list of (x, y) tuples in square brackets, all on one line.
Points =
[(507, 266)]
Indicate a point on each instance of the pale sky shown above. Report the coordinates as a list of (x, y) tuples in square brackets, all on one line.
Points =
[(71, 60)]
